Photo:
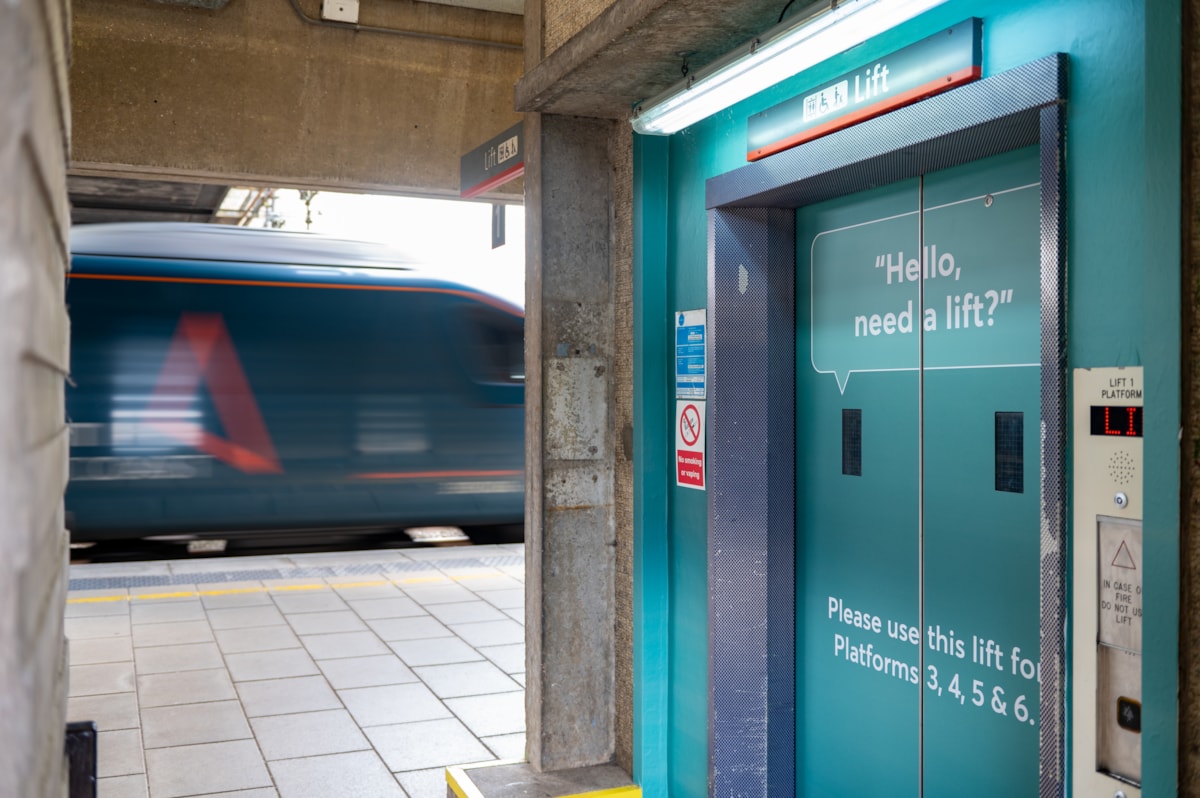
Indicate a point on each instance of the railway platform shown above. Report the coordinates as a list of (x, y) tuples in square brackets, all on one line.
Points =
[(347, 674)]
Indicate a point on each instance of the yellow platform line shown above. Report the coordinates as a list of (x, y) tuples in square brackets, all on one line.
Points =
[(232, 591)]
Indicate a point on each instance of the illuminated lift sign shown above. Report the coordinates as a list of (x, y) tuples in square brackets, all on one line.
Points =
[(933, 65)]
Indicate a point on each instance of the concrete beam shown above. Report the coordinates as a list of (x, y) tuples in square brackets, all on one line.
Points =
[(633, 51), (255, 94)]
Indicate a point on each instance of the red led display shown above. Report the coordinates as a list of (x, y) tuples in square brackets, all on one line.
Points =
[(1123, 421)]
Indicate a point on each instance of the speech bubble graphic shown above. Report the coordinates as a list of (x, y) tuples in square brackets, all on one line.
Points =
[(980, 266)]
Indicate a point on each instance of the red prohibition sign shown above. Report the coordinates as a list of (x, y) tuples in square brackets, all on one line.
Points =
[(689, 425)]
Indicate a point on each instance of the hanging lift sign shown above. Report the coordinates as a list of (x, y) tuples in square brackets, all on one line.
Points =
[(933, 65)]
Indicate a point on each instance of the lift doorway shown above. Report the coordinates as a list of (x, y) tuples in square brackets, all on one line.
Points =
[(887, 450)]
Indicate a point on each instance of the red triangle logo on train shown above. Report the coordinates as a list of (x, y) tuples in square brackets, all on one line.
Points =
[(202, 351)]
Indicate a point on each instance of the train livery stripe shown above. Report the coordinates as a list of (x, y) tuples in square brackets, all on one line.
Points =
[(436, 474), (479, 297)]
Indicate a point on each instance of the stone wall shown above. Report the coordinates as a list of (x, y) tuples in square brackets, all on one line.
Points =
[(34, 43)]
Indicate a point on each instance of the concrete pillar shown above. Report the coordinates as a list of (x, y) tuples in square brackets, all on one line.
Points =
[(33, 360), (571, 445)]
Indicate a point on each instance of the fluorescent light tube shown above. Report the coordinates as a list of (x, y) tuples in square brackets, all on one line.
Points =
[(782, 52)]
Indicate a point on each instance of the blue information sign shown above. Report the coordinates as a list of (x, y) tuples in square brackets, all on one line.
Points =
[(689, 354)]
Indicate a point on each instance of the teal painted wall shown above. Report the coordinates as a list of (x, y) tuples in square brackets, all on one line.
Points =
[(1123, 238)]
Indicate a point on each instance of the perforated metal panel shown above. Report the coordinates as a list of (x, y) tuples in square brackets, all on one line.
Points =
[(751, 311), (1053, 703)]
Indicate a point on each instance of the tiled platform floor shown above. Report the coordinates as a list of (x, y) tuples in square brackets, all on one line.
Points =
[(324, 675)]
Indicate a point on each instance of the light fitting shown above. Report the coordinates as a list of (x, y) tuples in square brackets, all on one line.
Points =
[(783, 51)]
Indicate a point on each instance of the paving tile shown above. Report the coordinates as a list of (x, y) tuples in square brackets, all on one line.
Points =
[(343, 644), (512, 599), (100, 626), (226, 601), (256, 638), (519, 678), (466, 612), (163, 593), (110, 712), (93, 609), (395, 607), (166, 611), (270, 664), (434, 651), (309, 601), (99, 650), (308, 734), (389, 704), (122, 786), (244, 617), (409, 628), (480, 583), (516, 615), (438, 594), (362, 590), (99, 593), (319, 623), (506, 746), (299, 584), (188, 724), (171, 634), (434, 743), (467, 678), (112, 677), (287, 696), (119, 753), (264, 792), (490, 633), (169, 659), (509, 658), (206, 768), (188, 687), (366, 671), (357, 774), (429, 783), (486, 715)]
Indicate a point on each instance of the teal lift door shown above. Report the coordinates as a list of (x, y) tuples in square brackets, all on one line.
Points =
[(918, 478)]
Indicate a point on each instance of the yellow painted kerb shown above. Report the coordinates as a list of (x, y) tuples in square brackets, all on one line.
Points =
[(412, 580)]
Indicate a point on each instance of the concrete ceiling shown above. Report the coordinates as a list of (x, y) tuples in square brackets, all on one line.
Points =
[(635, 49), (503, 6)]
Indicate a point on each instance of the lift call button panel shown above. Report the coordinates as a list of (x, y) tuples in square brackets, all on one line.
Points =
[(1106, 571)]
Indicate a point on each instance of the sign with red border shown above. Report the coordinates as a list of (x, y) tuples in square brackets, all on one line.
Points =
[(689, 444), (937, 63)]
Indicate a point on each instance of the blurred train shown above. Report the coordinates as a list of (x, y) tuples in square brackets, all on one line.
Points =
[(230, 382)]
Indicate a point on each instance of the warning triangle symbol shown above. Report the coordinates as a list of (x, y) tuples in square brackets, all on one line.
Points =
[(202, 352), (1123, 559)]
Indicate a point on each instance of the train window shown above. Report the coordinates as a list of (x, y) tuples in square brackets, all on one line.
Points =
[(499, 344)]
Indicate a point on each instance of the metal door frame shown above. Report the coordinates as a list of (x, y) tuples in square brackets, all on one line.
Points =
[(751, 409)]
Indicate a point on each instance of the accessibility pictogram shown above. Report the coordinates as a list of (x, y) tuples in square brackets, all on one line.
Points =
[(202, 351)]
